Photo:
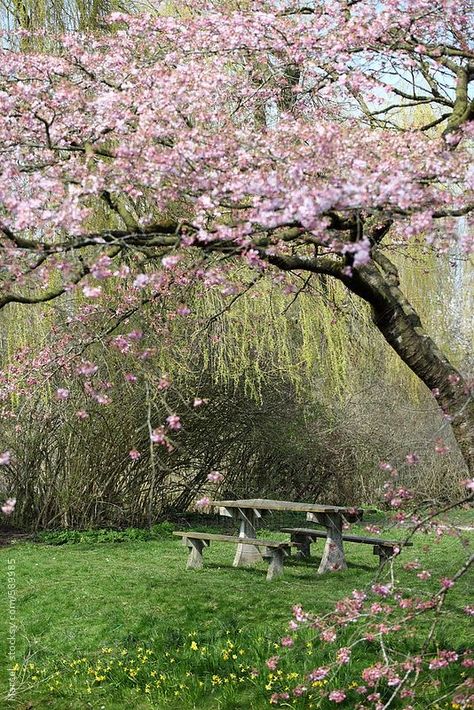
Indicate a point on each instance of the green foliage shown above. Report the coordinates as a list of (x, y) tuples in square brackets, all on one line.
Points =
[(159, 531)]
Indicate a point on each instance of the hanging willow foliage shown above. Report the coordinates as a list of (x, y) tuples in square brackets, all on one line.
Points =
[(60, 15), (320, 339)]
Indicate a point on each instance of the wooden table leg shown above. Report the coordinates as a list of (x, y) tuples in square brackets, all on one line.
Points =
[(247, 554), (275, 568), (385, 553), (195, 560), (304, 545), (333, 556)]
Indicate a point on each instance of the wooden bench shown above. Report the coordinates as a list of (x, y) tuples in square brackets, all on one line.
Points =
[(303, 537), (274, 552)]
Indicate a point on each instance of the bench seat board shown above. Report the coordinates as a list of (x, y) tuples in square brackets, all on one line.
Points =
[(258, 542), (348, 538)]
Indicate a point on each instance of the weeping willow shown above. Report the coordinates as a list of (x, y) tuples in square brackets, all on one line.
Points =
[(441, 289), (322, 341), (60, 15)]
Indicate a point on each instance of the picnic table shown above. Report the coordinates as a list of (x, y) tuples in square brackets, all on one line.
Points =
[(248, 512)]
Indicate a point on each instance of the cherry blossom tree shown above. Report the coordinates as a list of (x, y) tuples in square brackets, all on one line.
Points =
[(169, 149)]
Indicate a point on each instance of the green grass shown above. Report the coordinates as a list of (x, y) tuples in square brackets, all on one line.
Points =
[(74, 600)]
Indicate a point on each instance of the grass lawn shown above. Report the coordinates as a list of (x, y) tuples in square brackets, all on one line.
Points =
[(108, 626)]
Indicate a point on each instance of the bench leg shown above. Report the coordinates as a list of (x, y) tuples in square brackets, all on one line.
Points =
[(385, 553), (304, 545), (247, 554), (333, 559), (275, 568), (195, 559)]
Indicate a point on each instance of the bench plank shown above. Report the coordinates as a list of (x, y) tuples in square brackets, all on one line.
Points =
[(348, 538), (258, 542)]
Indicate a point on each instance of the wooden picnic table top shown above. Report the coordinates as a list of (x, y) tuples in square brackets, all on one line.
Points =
[(266, 504)]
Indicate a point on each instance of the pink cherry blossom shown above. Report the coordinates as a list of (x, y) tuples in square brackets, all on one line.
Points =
[(440, 447), (141, 281), (87, 369), (5, 458), (101, 270), (343, 655), (215, 477), (9, 506), (372, 674), (374, 529), (299, 691), (319, 673), (158, 436), (170, 261), (135, 335), (337, 696), (174, 422), (92, 291), (62, 393), (272, 662)]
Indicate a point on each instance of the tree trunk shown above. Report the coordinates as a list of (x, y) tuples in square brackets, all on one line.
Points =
[(401, 327)]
